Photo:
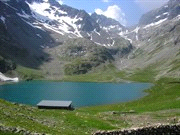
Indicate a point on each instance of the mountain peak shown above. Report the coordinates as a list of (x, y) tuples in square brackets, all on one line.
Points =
[(104, 21), (167, 11)]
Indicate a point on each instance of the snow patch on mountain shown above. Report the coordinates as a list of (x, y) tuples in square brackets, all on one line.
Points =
[(158, 16), (24, 15), (97, 33), (155, 23), (3, 19), (166, 13), (53, 29), (39, 35), (111, 28), (60, 11), (39, 12), (7, 79), (136, 31), (97, 43), (34, 26), (47, 14), (123, 34), (10, 6), (68, 23)]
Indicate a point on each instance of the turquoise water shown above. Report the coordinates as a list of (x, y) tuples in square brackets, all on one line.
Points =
[(81, 94)]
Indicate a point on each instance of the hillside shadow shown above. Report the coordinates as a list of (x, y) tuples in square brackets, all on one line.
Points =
[(22, 41)]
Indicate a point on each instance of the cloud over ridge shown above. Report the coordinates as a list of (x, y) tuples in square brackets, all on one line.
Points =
[(113, 12)]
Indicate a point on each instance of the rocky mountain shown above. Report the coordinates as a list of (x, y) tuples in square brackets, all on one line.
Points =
[(62, 19), (18, 39), (67, 19), (111, 26), (157, 41), (31, 27), (168, 11), (55, 38), (154, 18)]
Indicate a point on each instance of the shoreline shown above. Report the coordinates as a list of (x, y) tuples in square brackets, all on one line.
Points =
[(74, 81), (149, 110), (3, 83), (98, 83)]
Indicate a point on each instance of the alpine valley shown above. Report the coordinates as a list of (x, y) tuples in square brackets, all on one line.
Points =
[(57, 40), (44, 40)]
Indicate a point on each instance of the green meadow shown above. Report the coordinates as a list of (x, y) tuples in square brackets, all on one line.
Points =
[(161, 105)]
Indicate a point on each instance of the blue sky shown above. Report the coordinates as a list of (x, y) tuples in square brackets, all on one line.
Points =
[(127, 12)]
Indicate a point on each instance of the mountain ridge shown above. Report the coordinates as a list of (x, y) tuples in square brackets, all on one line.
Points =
[(34, 33), (169, 11)]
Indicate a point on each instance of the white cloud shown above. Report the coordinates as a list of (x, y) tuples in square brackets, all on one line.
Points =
[(60, 1), (113, 12), (147, 5), (105, 0)]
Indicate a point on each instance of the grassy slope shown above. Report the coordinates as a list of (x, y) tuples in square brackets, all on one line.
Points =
[(105, 73), (7, 133), (164, 95), (28, 73)]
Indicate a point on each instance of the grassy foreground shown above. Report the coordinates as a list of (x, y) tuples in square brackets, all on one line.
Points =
[(160, 106)]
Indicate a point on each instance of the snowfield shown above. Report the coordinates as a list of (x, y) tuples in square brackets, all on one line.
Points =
[(7, 79)]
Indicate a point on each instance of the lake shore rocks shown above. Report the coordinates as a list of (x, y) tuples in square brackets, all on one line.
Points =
[(155, 130)]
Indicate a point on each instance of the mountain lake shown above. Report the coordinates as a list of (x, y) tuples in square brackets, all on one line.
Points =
[(81, 94)]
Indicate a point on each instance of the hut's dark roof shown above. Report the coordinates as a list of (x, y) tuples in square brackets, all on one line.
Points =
[(53, 103)]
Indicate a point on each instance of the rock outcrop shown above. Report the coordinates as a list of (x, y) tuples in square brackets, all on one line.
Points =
[(154, 130)]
